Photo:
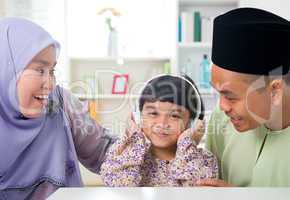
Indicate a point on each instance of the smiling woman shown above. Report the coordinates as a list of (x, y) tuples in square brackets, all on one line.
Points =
[(40, 150), (36, 82)]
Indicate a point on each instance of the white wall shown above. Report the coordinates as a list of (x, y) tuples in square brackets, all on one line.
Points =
[(279, 7), (145, 28), (49, 14), (2, 8)]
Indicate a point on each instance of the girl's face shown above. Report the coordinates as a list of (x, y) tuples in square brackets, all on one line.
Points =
[(36, 82), (163, 122)]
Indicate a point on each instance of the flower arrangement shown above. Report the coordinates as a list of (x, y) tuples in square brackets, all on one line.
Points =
[(109, 14)]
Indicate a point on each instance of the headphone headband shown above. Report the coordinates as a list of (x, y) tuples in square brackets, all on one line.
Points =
[(200, 106)]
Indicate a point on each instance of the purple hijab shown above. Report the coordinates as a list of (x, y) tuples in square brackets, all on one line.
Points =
[(31, 150)]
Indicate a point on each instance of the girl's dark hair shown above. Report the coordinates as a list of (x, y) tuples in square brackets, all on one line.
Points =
[(173, 89)]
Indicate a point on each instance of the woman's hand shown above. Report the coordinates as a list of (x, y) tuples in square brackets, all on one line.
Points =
[(213, 183)]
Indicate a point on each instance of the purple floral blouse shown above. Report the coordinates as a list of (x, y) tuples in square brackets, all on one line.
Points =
[(130, 163)]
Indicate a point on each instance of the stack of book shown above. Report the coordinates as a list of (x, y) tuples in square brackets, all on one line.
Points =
[(193, 27)]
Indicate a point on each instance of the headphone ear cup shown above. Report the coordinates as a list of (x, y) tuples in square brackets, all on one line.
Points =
[(202, 109), (137, 114), (193, 124), (137, 117)]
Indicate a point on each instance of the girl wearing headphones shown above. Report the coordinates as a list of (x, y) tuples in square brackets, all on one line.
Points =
[(162, 152)]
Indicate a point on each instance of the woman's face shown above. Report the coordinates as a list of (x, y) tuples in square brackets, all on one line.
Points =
[(36, 82), (163, 122)]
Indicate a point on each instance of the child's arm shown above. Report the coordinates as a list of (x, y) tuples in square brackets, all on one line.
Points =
[(122, 166), (192, 163)]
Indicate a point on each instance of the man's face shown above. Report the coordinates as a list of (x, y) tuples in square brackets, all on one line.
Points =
[(246, 107)]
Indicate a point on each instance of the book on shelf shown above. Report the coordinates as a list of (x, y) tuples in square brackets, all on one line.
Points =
[(194, 27), (206, 29), (197, 27), (187, 28), (179, 29), (92, 104)]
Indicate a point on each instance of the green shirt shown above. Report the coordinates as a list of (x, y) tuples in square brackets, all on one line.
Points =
[(258, 157)]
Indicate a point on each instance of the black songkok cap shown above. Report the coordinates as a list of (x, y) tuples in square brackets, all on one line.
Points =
[(251, 41)]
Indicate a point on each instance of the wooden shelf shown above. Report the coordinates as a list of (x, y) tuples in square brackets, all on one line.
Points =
[(127, 96), (106, 96), (111, 59), (208, 2), (196, 45)]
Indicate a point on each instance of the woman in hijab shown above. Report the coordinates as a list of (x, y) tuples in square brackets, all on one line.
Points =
[(44, 130)]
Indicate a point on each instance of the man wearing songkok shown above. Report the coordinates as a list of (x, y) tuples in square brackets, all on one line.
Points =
[(249, 132)]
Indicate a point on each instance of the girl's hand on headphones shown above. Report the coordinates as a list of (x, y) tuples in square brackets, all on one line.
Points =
[(131, 126), (198, 131)]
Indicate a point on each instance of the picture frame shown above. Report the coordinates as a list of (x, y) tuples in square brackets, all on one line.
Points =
[(120, 83)]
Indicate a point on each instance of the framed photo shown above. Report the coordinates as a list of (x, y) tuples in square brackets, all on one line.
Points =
[(120, 84)]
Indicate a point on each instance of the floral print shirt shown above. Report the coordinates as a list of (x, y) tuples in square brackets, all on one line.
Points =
[(130, 163)]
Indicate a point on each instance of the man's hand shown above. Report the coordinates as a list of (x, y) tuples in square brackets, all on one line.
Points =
[(213, 183)]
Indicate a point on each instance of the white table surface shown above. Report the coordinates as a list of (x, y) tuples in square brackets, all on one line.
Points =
[(166, 193)]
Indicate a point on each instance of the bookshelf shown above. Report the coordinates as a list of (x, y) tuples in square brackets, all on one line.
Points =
[(189, 49)]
